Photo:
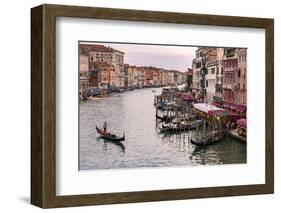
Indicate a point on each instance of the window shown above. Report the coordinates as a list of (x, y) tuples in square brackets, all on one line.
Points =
[(213, 70), (239, 73), (238, 86), (206, 83), (227, 79)]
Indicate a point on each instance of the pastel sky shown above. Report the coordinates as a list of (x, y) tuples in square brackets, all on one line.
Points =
[(167, 57)]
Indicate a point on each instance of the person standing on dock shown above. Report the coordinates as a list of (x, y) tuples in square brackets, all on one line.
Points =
[(104, 126)]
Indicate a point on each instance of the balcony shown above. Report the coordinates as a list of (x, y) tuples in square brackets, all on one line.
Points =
[(230, 69)]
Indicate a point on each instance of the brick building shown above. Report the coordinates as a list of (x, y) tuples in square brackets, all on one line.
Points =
[(103, 54), (242, 77)]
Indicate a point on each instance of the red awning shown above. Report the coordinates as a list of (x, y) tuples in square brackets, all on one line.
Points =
[(237, 107)]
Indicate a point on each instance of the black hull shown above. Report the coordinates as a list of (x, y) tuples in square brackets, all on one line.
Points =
[(112, 138)]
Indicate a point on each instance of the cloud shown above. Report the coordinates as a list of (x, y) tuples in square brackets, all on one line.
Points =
[(162, 56)]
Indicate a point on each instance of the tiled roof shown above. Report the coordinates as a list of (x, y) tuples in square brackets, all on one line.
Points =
[(96, 47)]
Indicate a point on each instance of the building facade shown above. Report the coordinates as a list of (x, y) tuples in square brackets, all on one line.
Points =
[(195, 77), (218, 96), (210, 78), (102, 66), (84, 72), (242, 77), (108, 55), (220, 74), (203, 78), (230, 75)]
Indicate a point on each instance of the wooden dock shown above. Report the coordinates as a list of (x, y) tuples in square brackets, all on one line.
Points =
[(234, 134)]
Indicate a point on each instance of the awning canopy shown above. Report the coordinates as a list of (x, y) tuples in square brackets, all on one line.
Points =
[(207, 107), (212, 110), (237, 107)]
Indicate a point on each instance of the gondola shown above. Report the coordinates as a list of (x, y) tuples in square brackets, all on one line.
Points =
[(108, 136)]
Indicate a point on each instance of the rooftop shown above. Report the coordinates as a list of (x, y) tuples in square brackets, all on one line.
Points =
[(98, 48)]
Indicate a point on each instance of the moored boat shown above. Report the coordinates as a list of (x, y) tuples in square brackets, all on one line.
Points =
[(181, 127), (165, 118)]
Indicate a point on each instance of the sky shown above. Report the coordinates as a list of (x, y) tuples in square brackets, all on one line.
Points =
[(161, 56)]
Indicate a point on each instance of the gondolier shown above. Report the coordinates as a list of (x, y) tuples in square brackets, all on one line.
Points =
[(104, 126)]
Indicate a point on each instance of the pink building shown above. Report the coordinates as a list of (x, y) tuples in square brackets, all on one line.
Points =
[(242, 76), (230, 75)]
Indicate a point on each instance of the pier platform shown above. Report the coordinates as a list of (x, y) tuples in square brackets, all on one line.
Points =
[(234, 134)]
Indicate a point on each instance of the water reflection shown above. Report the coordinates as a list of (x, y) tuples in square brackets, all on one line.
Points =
[(117, 143), (133, 113)]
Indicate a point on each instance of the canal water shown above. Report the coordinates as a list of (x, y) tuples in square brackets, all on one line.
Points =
[(133, 112)]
